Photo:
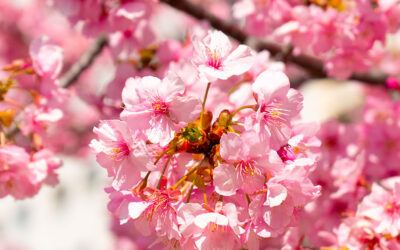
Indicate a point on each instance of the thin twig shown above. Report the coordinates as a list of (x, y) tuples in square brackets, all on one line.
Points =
[(83, 63), (313, 65)]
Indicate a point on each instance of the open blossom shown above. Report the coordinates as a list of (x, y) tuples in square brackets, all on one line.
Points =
[(156, 212), (157, 107), (204, 229), (375, 225), (287, 192), (382, 207), (245, 162), (357, 233), (122, 153), (215, 58), (277, 106)]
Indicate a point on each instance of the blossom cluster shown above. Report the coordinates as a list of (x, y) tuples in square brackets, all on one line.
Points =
[(358, 173), (201, 137), (347, 34), (31, 98), (201, 175)]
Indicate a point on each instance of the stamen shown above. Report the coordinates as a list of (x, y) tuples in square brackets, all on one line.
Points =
[(274, 115), (159, 107), (120, 151), (214, 59), (247, 168)]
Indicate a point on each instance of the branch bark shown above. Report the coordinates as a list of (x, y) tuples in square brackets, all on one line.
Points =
[(313, 65), (83, 63)]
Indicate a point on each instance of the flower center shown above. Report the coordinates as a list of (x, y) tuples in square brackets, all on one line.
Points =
[(159, 107), (274, 115), (160, 203), (121, 151), (391, 207), (247, 168), (214, 59)]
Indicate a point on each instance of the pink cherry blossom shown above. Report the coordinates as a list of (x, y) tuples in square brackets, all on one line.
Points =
[(211, 229), (158, 210), (245, 164), (122, 153), (47, 58), (383, 208), (215, 58), (156, 107), (21, 175), (277, 105)]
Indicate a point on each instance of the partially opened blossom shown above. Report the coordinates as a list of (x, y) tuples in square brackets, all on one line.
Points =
[(304, 145), (277, 105), (216, 59), (157, 107)]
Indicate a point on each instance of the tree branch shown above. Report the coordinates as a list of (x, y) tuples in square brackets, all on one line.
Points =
[(83, 63), (313, 65), (74, 72)]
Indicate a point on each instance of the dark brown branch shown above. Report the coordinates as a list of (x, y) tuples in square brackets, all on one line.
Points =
[(313, 65), (83, 63)]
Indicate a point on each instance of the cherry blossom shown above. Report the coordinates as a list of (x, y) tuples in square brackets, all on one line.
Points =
[(216, 59), (157, 107)]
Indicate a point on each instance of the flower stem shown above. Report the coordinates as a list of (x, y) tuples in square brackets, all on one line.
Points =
[(253, 107), (205, 97), (163, 171), (160, 156), (143, 183), (190, 192), (183, 178), (203, 105)]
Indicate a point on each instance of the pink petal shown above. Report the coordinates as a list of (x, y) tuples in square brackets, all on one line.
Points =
[(271, 84), (231, 146), (185, 109), (137, 208), (203, 220), (276, 194), (225, 180)]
